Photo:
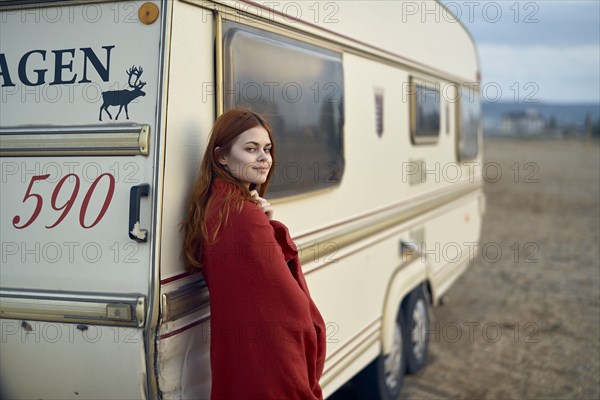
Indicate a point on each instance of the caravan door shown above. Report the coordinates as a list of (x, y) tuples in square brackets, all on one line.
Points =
[(80, 87)]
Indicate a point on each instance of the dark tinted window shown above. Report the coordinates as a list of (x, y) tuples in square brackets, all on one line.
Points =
[(425, 103), (299, 88)]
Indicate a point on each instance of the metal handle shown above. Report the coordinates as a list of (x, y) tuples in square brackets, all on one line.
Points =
[(135, 195)]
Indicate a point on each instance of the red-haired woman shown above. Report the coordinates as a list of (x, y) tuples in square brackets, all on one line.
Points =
[(267, 335)]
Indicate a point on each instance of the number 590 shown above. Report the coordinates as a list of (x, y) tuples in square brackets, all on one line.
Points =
[(66, 207)]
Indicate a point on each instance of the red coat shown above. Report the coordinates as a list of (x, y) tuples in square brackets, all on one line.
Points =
[(267, 335)]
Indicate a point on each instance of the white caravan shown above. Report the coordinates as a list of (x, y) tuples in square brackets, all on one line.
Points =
[(106, 108)]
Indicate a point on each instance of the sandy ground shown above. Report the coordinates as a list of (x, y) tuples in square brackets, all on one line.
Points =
[(525, 324)]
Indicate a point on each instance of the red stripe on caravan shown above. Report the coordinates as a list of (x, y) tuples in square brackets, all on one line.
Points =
[(176, 277)]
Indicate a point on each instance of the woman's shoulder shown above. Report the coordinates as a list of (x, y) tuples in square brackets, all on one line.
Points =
[(250, 213)]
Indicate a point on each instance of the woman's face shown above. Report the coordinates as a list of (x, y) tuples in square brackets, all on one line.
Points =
[(249, 159)]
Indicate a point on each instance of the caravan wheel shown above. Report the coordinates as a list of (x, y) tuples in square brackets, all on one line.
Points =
[(383, 378), (394, 363), (416, 340)]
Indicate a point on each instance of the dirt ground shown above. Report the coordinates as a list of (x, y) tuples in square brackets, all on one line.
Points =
[(525, 323)]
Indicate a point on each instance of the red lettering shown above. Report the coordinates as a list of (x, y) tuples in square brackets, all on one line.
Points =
[(66, 207), (38, 206), (88, 196)]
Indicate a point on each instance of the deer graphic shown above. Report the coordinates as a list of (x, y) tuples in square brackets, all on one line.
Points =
[(122, 98)]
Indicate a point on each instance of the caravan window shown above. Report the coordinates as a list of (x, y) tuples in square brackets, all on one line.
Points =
[(469, 123), (299, 88), (425, 112)]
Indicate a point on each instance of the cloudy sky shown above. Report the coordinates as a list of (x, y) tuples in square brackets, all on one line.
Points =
[(546, 50)]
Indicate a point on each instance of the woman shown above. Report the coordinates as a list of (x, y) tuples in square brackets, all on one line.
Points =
[(267, 335)]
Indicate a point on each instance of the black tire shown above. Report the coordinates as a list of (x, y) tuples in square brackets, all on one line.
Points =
[(416, 339), (383, 378)]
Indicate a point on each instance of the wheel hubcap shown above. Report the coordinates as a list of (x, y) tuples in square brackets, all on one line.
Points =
[(419, 333), (392, 362)]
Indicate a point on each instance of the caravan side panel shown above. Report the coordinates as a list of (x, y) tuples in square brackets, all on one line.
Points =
[(183, 368)]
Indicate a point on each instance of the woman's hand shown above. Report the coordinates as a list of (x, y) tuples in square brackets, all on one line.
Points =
[(263, 204)]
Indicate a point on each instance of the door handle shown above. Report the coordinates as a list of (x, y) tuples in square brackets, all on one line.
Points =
[(135, 195)]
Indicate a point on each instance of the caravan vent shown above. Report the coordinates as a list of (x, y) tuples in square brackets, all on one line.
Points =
[(379, 113), (416, 172)]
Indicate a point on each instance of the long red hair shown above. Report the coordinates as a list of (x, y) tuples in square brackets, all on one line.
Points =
[(226, 129)]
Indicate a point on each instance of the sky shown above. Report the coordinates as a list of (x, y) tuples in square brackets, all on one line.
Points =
[(535, 51)]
